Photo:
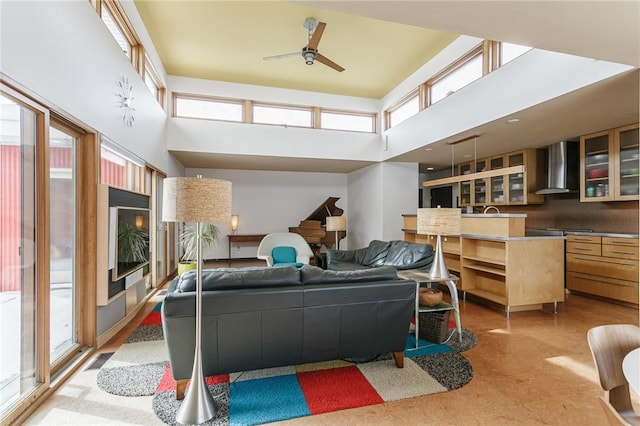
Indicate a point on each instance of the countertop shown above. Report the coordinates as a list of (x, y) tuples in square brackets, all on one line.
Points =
[(494, 215), (604, 234), (525, 238)]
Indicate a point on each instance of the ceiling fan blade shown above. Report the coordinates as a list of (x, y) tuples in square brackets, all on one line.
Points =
[(328, 62), (284, 55), (315, 38)]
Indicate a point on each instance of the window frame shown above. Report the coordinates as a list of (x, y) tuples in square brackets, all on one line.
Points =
[(472, 54), (195, 97), (312, 115), (137, 55), (399, 104), (155, 79), (372, 115)]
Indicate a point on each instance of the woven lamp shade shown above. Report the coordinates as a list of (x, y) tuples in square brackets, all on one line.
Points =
[(439, 221), (196, 199), (336, 223)]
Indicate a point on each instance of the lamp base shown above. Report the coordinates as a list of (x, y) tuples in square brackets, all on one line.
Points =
[(438, 268), (198, 405)]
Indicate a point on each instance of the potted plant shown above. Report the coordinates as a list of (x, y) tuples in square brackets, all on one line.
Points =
[(189, 240)]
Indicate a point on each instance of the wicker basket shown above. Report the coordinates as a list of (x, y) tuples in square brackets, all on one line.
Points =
[(434, 326), (430, 296)]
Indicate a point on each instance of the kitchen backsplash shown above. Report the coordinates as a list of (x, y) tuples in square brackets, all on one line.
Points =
[(566, 211)]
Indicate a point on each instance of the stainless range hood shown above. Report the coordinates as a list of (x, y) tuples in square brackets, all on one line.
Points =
[(562, 168)]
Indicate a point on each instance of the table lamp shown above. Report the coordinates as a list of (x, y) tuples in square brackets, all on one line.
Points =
[(188, 199), (234, 223), (336, 223), (439, 222)]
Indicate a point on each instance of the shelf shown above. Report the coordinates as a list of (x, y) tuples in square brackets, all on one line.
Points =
[(488, 269), (442, 306), (488, 295), (485, 260)]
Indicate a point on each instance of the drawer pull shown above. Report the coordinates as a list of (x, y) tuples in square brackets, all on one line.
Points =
[(581, 239), (622, 252), (582, 248)]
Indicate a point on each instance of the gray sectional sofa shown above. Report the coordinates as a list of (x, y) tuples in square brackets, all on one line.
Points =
[(396, 253), (264, 317)]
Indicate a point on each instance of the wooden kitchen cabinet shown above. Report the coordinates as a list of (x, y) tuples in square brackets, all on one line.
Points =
[(627, 151), (603, 266), (610, 165), (517, 273), (512, 189)]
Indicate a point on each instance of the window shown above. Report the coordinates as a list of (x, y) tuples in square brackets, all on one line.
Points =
[(209, 108), (152, 81), (335, 120), (406, 108), (455, 79), (120, 168), (288, 116), (511, 51), (122, 31)]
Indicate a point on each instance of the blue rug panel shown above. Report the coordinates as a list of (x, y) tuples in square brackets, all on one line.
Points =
[(157, 307), (254, 401), (424, 347)]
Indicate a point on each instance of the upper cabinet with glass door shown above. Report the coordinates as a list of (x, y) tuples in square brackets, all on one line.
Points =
[(627, 148), (464, 187), (497, 188), (597, 166), (610, 165)]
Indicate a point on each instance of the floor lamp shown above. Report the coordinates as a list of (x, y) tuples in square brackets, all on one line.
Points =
[(439, 222), (336, 223), (187, 199)]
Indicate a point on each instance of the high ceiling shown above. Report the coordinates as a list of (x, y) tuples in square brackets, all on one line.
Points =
[(227, 41), (380, 43)]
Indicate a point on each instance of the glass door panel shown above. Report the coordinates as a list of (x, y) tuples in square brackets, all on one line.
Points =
[(465, 186), (18, 322), (62, 236), (497, 182), (596, 165), (516, 185), (629, 170), (480, 185)]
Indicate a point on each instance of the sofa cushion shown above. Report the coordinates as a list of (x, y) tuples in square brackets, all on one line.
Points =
[(404, 255), (232, 278), (314, 275), (373, 255)]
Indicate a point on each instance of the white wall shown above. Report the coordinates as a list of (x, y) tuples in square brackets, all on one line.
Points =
[(62, 52), (253, 139), (272, 202), (535, 77), (364, 222), (400, 183)]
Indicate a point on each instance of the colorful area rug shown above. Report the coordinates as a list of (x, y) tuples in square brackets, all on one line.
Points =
[(140, 367)]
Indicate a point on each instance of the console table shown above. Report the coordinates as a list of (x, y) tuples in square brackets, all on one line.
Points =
[(249, 238), (421, 277)]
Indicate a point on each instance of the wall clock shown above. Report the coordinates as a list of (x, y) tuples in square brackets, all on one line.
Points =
[(125, 100)]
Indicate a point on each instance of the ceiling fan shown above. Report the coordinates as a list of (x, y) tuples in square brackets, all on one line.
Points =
[(310, 51)]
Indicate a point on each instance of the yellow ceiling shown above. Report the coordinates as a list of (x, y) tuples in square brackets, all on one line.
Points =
[(226, 41)]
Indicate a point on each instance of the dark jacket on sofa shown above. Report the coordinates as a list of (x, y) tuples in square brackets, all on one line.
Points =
[(399, 254), (260, 317)]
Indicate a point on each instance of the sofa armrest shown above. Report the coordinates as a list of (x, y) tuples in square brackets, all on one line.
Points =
[(340, 256)]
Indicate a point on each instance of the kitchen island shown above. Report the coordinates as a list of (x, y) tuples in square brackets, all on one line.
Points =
[(499, 263)]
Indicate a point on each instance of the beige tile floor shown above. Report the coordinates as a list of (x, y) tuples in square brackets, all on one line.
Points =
[(532, 369)]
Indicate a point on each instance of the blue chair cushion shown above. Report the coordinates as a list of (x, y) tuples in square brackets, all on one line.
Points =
[(283, 254)]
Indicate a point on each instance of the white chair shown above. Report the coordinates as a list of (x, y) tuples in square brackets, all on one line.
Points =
[(284, 239)]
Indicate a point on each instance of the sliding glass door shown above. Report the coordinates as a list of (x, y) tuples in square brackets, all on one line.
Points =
[(19, 325), (62, 237)]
